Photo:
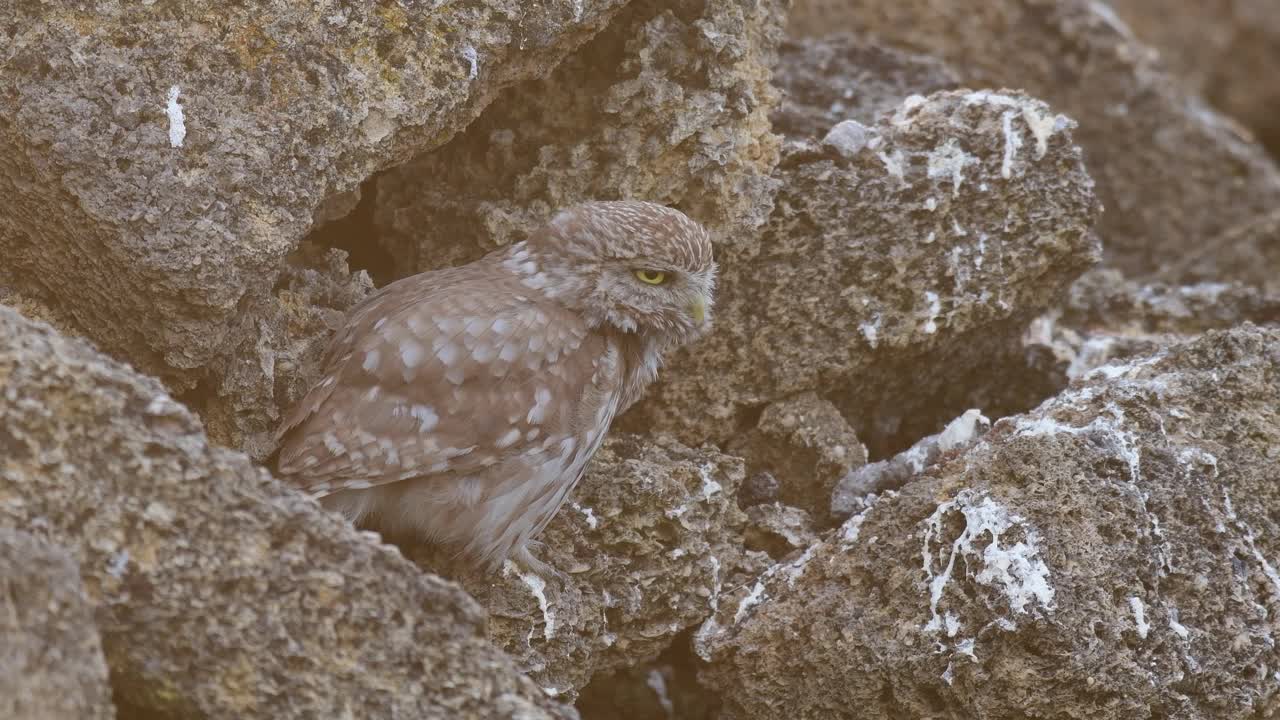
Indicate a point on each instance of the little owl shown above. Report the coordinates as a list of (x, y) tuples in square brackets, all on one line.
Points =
[(462, 405)]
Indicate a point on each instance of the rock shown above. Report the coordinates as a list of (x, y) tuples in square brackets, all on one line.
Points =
[(805, 443), (1107, 318), (664, 689), (960, 434), (891, 282), (1228, 51), (779, 529), (51, 665), (1105, 556), (279, 350), (647, 542), (841, 77), (218, 591), (847, 137), (1249, 254), (670, 104), (158, 162), (1104, 300), (761, 487), (1170, 171)]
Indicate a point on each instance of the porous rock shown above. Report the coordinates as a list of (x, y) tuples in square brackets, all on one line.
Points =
[(1106, 317), (646, 544), (1226, 50), (1248, 253), (1107, 556), (159, 160), (806, 444), (851, 493), (778, 529), (825, 81), (669, 104), (51, 665), (1171, 171), (219, 592), (891, 281)]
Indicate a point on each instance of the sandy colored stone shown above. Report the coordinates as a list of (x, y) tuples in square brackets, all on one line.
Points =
[(892, 282), (219, 592), (669, 104), (1248, 253), (806, 444), (1226, 50), (159, 161), (1108, 555), (51, 665), (842, 76), (1170, 171), (646, 543)]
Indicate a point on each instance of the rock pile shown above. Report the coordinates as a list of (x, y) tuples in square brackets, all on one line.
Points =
[(987, 426)]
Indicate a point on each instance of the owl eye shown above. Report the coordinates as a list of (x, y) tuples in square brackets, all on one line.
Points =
[(650, 276)]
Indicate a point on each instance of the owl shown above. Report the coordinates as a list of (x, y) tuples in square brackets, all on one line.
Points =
[(462, 405)]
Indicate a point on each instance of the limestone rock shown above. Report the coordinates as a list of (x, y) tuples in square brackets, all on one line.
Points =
[(1107, 318), (839, 77), (51, 665), (779, 530), (218, 591), (669, 104), (1248, 253), (891, 281), (851, 493), (1226, 50), (159, 160), (1170, 171), (806, 444), (1107, 555), (648, 541)]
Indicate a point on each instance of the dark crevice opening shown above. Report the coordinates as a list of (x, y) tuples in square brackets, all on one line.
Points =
[(357, 235)]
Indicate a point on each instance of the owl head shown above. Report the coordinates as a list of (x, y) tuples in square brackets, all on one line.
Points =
[(637, 266)]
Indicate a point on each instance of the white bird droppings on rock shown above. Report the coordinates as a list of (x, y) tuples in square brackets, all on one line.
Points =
[(177, 121)]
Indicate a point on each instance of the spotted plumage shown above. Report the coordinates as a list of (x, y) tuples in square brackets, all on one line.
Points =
[(464, 404)]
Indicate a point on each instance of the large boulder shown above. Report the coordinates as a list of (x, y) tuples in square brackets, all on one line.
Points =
[(825, 81), (1109, 555), (51, 665), (1170, 171), (218, 591), (1226, 50), (645, 546), (901, 262), (159, 160), (669, 104)]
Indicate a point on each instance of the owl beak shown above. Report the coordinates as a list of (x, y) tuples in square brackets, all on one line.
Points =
[(698, 309)]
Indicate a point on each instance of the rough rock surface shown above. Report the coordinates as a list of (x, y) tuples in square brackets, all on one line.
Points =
[(888, 279), (51, 665), (669, 104), (1226, 50), (159, 160), (845, 77), (850, 495), (646, 543), (806, 444), (1106, 318), (1248, 253), (1107, 556), (1170, 171), (219, 592)]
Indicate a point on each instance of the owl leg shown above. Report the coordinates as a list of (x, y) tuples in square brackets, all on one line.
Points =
[(525, 558)]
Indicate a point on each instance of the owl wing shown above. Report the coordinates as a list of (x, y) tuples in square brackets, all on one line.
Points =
[(441, 373)]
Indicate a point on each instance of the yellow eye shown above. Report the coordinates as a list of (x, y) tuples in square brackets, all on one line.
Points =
[(652, 277)]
